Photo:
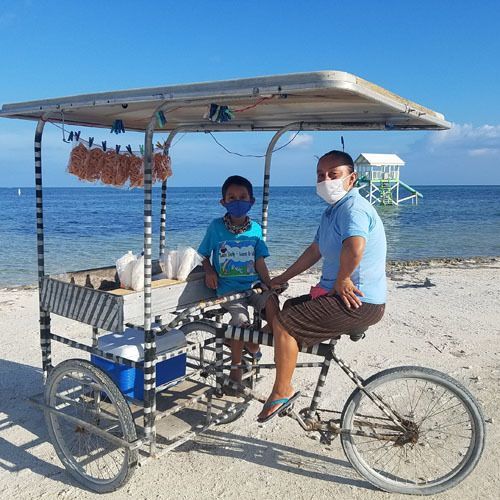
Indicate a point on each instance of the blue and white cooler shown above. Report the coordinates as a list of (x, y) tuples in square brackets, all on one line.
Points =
[(130, 345)]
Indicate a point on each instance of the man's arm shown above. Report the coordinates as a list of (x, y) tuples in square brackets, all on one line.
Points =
[(310, 256), (350, 257)]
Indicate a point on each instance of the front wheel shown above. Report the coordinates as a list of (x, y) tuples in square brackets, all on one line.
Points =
[(85, 398), (436, 443)]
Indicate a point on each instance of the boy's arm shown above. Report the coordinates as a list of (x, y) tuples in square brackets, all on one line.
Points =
[(262, 271), (205, 249), (210, 275)]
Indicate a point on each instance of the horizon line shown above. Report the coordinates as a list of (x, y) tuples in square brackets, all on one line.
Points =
[(217, 186)]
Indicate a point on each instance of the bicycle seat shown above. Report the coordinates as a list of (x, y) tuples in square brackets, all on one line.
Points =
[(357, 335)]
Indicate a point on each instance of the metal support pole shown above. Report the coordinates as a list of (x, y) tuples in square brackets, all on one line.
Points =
[(44, 315), (149, 335), (95, 335), (219, 354), (267, 172), (320, 384), (163, 217), (163, 213)]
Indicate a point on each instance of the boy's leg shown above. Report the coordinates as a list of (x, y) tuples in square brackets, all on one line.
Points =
[(239, 316), (267, 301), (272, 311)]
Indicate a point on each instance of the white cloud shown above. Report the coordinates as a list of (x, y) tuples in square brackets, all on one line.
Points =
[(465, 138), (301, 141), (483, 151), (465, 154)]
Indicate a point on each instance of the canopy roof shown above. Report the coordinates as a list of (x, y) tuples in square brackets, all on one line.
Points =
[(379, 160), (323, 100)]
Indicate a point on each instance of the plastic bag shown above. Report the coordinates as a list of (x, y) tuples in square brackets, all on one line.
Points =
[(130, 269), (124, 266), (177, 264), (137, 275), (169, 264), (187, 259)]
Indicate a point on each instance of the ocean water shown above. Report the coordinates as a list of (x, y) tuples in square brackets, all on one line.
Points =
[(91, 227)]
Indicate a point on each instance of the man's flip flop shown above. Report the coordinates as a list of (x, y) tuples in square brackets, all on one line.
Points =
[(284, 404)]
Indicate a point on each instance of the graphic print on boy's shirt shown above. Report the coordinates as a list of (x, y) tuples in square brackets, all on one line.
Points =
[(232, 259), (236, 258)]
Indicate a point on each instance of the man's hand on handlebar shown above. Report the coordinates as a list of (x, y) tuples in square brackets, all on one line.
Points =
[(279, 283)]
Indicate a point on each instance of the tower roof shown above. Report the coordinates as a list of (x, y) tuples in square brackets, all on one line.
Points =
[(379, 160)]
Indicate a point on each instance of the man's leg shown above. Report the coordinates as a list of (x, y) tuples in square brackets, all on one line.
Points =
[(286, 351)]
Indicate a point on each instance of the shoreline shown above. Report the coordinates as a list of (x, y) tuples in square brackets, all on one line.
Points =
[(393, 267)]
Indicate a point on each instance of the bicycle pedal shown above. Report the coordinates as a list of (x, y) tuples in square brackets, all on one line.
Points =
[(286, 412)]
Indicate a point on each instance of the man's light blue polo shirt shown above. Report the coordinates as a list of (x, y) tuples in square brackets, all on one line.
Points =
[(353, 215)]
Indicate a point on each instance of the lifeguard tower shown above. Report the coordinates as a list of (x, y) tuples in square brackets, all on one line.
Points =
[(379, 182)]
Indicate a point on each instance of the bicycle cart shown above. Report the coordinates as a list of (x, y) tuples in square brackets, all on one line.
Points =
[(407, 429)]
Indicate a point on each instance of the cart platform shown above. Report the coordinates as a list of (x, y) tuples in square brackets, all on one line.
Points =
[(94, 296)]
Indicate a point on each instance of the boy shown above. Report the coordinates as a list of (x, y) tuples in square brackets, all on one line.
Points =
[(235, 244)]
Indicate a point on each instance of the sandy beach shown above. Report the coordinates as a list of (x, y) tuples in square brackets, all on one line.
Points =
[(440, 314)]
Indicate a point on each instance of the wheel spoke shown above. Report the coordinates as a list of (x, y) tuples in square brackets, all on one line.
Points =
[(92, 459), (433, 447)]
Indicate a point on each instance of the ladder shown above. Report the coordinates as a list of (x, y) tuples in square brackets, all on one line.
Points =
[(385, 192)]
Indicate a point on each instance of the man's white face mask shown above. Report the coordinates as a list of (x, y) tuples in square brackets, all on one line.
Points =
[(331, 191)]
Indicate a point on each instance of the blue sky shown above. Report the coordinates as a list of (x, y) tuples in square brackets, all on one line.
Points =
[(443, 54)]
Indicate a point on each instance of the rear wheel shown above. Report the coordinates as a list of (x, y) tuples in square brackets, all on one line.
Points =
[(78, 389), (439, 443)]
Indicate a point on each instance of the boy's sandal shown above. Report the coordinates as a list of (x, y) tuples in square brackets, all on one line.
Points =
[(234, 391), (255, 355), (285, 403)]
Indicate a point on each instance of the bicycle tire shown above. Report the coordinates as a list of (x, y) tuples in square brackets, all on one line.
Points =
[(198, 331), (420, 485), (72, 455)]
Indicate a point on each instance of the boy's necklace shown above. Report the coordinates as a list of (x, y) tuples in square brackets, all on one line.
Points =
[(234, 228)]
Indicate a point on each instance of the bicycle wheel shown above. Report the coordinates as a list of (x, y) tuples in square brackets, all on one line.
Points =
[(77, 388), (439, 443), (203, 361)]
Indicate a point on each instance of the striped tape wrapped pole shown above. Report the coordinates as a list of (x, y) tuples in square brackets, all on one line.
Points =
[(267, 173), (219, 358), (321, 383), (163, 212), (149, 335), (163, 217), (44, 315)]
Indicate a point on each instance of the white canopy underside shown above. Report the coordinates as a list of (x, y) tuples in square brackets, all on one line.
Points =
[(324, 100), (379, 160)]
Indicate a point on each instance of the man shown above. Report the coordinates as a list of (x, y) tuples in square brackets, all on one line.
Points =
[(352, 292)]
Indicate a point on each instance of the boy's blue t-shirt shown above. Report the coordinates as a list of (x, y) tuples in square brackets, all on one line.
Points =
[(353, 215), (233, 255)]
